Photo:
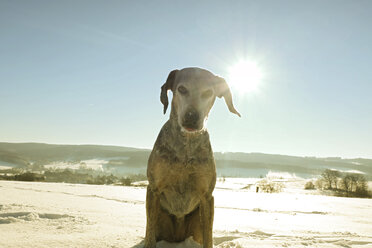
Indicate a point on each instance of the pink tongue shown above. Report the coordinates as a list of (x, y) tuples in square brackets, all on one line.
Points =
[(189, 129)]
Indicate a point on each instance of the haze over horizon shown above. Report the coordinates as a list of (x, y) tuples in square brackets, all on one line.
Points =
[(90, 72)]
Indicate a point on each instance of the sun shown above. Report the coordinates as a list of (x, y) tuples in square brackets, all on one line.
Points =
[(245, 76)]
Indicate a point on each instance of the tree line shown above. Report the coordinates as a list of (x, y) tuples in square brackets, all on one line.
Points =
[(343, 184), (81, 176)]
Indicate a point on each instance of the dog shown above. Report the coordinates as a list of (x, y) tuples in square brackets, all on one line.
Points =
[(181, 169)]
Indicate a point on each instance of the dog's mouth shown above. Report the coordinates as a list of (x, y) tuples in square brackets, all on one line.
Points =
[(194, 127), (190, 129)]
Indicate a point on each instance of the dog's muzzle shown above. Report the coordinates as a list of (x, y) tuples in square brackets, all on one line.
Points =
[(190, 121)]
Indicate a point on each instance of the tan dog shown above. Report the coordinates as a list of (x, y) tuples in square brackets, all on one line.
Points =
[(181, 168)]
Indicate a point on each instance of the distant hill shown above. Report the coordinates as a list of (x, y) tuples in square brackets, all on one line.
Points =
[(255, 163), (124, 160)]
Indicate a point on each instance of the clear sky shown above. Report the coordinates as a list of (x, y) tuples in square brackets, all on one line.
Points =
[(89, 72)]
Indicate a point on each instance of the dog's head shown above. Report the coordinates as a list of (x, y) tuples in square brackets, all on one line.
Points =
[(194, 92)]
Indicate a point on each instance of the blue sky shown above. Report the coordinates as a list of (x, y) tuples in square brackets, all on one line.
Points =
[(89, 72)]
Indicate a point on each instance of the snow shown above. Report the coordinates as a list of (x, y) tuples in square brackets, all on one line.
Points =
[(280, 175), (74, 215), (95, 164)]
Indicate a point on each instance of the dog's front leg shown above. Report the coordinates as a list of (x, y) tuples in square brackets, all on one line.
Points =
[(207, 212), (152, 211)]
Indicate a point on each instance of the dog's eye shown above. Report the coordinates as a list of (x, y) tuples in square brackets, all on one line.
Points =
[(182, 90), (207, 94)]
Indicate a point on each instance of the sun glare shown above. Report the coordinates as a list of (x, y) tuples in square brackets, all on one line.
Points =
[(245, 76)]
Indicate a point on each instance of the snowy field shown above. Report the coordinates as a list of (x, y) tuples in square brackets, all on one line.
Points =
[(75, 215)]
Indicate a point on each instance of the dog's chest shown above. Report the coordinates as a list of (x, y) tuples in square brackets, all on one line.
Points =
[(182, 171), (182, 188)]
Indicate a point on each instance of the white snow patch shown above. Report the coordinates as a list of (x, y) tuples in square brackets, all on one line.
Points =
[(63, 215), (354, 171), (349, 171), (95, 164), (4, 167), (6, 218), (272, 175)]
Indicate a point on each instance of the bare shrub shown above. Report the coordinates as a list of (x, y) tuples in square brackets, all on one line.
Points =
[(309, 185), (268, 186)]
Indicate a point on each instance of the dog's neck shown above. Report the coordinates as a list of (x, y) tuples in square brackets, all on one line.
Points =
[(184, 146)]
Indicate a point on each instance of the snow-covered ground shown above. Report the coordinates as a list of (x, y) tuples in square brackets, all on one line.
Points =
[(74, 215)]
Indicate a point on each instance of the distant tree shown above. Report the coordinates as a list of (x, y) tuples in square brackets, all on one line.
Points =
[(126, 181), (355, 183), (331, 178), (138, 177), (29, 176), (111, 179), (347, 182), (100, 180)]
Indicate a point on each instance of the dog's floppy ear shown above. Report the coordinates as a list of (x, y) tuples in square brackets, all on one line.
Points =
[(168, 85), (223, 90)]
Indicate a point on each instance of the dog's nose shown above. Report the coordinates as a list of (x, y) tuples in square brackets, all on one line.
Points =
[(191, 119), (192, 115)]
